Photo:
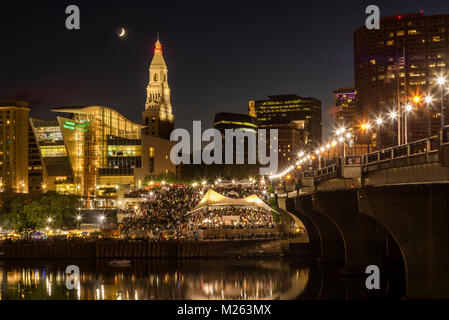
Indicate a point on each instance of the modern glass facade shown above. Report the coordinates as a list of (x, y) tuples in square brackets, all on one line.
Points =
[(95, 148)]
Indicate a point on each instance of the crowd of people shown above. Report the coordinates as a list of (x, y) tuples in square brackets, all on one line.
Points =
[(223, 218), (167, 210)]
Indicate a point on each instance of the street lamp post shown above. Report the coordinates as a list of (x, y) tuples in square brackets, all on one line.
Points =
[(366, 127), (78, 219), (441, 81), (408, 108), (379, 122), (393, 116), (428, 101)]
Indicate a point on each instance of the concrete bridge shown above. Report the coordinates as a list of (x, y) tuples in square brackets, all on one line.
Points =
[(389, 208)]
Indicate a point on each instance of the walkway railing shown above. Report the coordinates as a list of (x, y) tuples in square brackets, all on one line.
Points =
[(425, 147), (425, 151), (420, 147)]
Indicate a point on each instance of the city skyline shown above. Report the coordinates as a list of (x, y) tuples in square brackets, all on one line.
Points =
[(205, 64)]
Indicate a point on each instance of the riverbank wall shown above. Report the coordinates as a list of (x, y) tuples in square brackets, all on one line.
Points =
[(54, 249)]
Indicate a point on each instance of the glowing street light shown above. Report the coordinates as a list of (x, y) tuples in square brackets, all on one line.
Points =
[(379, 121), (204, 182), (393, 115), (416, 99), (408, 108), (365, 126)]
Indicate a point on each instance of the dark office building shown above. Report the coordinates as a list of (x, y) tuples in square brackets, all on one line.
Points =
[(226, 120), (399, 61), (236, 121), (297, 119)]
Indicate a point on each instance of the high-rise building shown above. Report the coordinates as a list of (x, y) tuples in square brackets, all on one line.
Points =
[(297, 119), (14, 145), (346, 113), (96, 149), (35, 177), (158, 117), (397, 62)]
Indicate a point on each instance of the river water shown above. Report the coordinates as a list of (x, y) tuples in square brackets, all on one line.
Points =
[(203, 279)]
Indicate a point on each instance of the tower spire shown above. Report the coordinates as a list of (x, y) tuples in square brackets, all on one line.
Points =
[(158, 114), (157, 45)]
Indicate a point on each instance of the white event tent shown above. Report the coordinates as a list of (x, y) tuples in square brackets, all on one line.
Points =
[(214, 199)]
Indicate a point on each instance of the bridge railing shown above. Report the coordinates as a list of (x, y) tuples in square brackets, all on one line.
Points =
[(416, 152), (415, 148), (327, 170)]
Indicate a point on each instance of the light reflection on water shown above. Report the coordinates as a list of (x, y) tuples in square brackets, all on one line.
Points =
[(155, 279)]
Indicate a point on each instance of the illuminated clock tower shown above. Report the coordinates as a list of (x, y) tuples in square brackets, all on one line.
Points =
[(158, 117)]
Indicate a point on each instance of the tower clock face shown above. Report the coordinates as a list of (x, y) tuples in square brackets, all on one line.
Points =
[(155, 97)]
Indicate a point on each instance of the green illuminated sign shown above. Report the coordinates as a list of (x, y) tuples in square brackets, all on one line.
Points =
[(72, 125), (68, 127)]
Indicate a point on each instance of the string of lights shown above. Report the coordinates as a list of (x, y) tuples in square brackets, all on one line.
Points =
[(342, 134)]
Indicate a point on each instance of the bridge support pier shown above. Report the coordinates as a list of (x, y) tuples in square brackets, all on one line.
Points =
[(311, 249), (363, 238), (417, 216), (330, 241)]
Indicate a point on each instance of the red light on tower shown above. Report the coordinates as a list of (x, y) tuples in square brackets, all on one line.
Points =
[(158, 47), (399, 17)]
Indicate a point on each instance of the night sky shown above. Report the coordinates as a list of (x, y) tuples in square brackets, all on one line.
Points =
[(220, 54)]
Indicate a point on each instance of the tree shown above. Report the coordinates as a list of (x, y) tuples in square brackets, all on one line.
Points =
[(26, 218), (61, 208)]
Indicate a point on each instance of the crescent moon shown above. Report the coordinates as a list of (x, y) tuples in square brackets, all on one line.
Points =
[(122, 32)]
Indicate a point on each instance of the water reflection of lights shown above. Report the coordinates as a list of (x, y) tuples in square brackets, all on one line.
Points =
[(197, 280)]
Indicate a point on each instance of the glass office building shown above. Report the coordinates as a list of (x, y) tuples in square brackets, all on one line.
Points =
[(93, 148)]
